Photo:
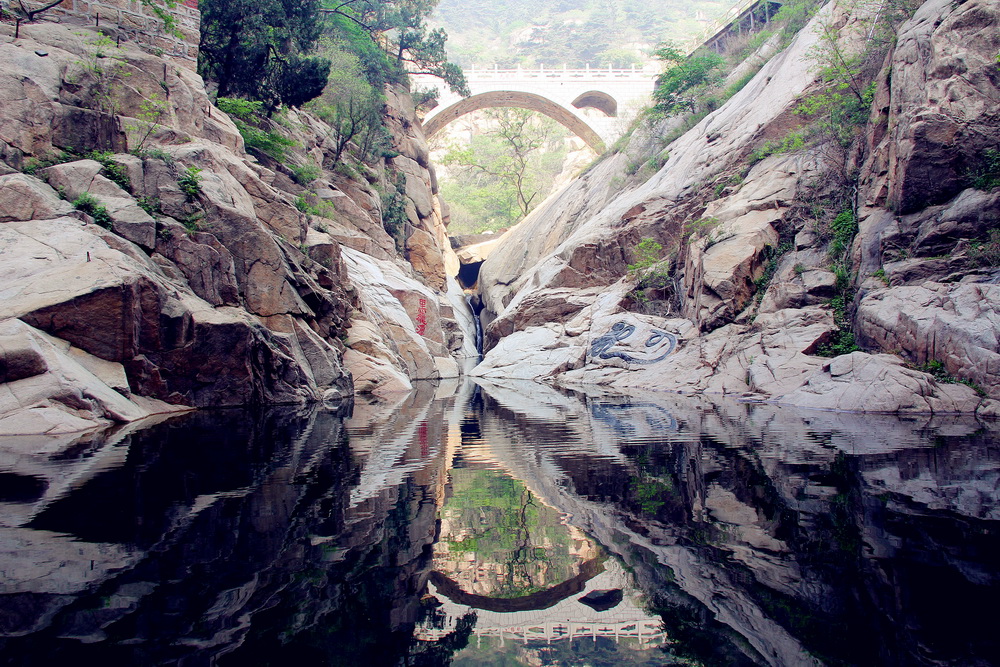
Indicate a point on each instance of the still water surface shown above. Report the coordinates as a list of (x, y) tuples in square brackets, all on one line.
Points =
[(487, 525)]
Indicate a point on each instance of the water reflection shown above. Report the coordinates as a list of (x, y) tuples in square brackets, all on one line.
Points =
[(498, 541), (488, 524)]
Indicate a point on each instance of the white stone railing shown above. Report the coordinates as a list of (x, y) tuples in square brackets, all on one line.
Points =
[(496, 74), (648, 632)]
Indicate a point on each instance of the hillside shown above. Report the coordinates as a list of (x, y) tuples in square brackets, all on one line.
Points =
[(150, 264), (571, 32), (779, 251)]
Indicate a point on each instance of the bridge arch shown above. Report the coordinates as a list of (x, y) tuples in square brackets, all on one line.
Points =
[(520, 100), (595, 99)]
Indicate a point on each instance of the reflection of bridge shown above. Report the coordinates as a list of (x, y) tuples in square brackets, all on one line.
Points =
[(569, 619), (586, 101), (646, 632)]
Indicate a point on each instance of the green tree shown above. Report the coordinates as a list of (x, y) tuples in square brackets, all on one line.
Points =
[(351, 106), (678, 86), (507, 167), (259, 49), (401, 27)]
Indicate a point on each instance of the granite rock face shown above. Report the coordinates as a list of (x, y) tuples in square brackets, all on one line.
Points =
[(945, 104), (51, 387), (747, 273), (956, 326), (195, 269)]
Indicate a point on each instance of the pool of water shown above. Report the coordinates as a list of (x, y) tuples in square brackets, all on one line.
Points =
[(480, 524)]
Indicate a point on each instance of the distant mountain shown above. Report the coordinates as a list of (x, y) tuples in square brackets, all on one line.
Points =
[(571, 32)]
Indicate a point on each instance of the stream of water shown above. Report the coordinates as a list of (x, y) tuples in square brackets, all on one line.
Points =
[(479, 524)]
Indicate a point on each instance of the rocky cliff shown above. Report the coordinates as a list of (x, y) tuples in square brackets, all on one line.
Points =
[(172, 270), (764, 289)]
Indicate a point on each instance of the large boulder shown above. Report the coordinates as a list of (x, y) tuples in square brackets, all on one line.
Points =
[(128, 220), (945, 110), (400, 323), (955, 325), (47, 386), (25, 198), (122, 308), (861, 382)]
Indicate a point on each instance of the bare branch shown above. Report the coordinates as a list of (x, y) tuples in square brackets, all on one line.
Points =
[(31, 14)]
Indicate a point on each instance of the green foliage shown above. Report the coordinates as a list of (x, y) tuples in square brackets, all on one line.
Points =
[(32, 166), (843, 227), (87, 203), (986, 253), (259, 49), (646, 255), (839, 114), (309, 203), (192, 221), (344, 31), (190, 182), (941, 374), (794, 141), (650, 493), (678, 88), (161, 9), (740, 83), (150, 205), (154, 153), (265, 142), (988, 176), (425, 98), (653, 165), (237, 107), (843, 108), (150, 113), (258, 138), (304, 174), (394, 210), (649, 269), (880, 274), (104, 71), (495, 519), (504, 171), (114, 171), (696, 229), (773, 257), (352, 106), (842, 341), (400, 27)]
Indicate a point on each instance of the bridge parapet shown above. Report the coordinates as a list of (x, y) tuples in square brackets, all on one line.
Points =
[(588, 101), (570, 96), (586, 74)]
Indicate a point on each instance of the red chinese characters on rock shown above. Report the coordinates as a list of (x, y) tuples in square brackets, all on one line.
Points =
[(422, 317)]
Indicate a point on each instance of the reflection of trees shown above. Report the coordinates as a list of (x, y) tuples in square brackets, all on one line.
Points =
[(500, 520), (519, 566), (439, 652)]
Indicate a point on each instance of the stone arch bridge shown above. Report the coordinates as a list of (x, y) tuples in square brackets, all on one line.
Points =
[(589, 102)]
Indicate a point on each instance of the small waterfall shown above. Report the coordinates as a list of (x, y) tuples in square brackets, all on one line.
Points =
[(476, 307)]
